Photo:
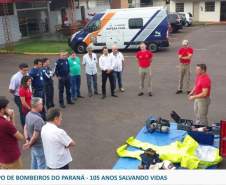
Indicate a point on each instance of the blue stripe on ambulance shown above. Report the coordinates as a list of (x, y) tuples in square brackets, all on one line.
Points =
[(143, 28), (159, 32)]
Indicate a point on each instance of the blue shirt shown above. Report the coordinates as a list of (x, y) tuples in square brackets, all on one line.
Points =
[(47, 75), (37, 78), (62, 68)]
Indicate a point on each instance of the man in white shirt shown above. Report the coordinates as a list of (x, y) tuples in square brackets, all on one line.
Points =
[(90, 61), (118, 60), (56, 141), (14, 88), (106, 66)]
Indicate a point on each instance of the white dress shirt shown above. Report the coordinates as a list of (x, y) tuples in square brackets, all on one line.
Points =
[(15, 82), (106, 63), (118, 61), (90, 63), (55, 141)]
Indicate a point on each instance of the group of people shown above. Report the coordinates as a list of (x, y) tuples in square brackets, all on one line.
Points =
[(201, 91), (33, 93), (49, 144)]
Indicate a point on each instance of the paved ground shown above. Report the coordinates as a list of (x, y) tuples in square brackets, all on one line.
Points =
[(100, 126)]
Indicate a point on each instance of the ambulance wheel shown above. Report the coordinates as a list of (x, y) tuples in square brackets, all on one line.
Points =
[(81, 47), (153, 47)]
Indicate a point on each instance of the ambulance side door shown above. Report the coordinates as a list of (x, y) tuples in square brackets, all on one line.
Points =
[(134, 27)]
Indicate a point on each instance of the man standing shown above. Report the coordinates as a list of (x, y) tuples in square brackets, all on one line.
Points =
[(106, 65), (9, 137), (75, 76), (37, 79), (201, 95), (62, 72), (38, 83), (144, 58), (118, 60), (90, 62), (14, 86), (32, 133), (48, 83), (56, 142), (184, 54)]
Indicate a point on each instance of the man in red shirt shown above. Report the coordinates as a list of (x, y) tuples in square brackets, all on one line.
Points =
[(9, 136), (144, 58), (185, 54), (201, 95)]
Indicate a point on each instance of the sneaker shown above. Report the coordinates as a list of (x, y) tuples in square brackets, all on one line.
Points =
[(80, 96), (62, 106), (141, 94), (96, 93), (179, 92), (122, 90), (149, 94)]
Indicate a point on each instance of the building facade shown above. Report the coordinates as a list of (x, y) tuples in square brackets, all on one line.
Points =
[(27, 18), (202, 10)]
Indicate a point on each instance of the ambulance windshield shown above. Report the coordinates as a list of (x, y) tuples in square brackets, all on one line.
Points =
[(93, 25)]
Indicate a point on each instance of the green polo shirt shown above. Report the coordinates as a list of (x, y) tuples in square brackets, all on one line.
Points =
[(74, 65)]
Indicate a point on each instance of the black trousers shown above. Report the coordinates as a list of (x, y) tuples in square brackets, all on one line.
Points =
[(105, 76), (19, 105), (64, 82), (49, 94)]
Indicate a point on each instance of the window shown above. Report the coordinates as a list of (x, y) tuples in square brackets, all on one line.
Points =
[(93, 26), (179, 7), (135, 23), (210, 6), (27, 5), (130, 4), (144, 3), (6, 9), (102, 2)]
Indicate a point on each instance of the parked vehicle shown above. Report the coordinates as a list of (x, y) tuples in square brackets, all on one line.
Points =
[(175, 22), (182, 18), (188, 18), (124, 27)]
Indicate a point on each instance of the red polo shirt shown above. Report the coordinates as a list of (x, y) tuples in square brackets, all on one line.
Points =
[(9, 148), (202, 82), (184, 52), (144, 58), (26, 93)]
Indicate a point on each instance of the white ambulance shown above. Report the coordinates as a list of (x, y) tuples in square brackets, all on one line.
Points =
[(124, 27)]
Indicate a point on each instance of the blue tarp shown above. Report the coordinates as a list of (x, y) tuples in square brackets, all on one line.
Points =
[(155, 138)]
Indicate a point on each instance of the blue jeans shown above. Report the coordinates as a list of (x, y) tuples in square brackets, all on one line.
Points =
[(92, 79), (37, 158), (75, 86), (118, 77)]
